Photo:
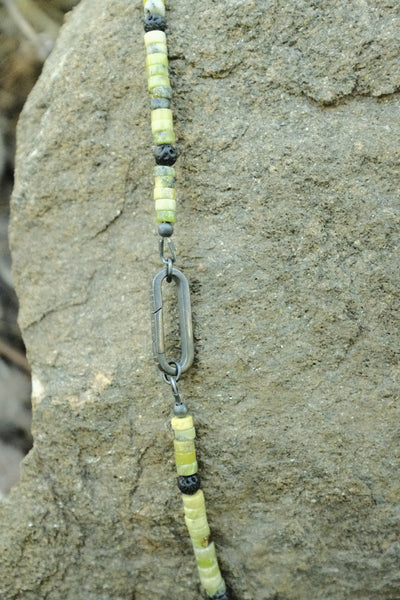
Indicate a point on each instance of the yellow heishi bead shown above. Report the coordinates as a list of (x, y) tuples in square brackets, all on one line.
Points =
[(164, 137), (155, 37), (159, 58), (165, 216), (154, 6), (158, 81), (187, 434), (165, 204), (187, 469), (161, 119), (178, 424), (206, 557), (161, 114), (164, 192), (194, 500)]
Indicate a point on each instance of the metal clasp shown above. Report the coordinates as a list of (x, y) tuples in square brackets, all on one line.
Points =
[(169, 366)]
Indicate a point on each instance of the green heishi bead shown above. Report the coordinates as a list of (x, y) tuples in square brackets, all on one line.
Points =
[(164, 137), (194, 513), (200, 535), (206, 557), (165, 216), (187, 469), (211, 583), (184, 446), (164, 171), (184, 458), (157, 70), (165, 182), (198, 527), (197, 524), (209, 572), (161, 91), (194, 500)]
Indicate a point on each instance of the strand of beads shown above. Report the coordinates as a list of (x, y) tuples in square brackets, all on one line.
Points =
[(165, 204), (161, 114), (194, 505)]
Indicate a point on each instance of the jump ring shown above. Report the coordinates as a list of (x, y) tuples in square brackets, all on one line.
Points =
[(170, 265), (168, 378)]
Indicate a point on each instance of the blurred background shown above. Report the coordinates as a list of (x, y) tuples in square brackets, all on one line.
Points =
[(28, 30)]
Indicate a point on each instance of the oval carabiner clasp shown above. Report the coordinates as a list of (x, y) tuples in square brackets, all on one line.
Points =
[(185, 322)]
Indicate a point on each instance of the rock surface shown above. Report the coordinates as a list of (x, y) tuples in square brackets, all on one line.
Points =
[(287, 116)]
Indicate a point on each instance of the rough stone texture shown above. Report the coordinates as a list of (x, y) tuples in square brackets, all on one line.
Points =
[(288, 122)]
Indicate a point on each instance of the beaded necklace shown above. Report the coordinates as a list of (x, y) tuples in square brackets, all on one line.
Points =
[(165, 156)]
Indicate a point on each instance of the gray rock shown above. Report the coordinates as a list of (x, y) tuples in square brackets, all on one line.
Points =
[(10, 459), (287, 117)]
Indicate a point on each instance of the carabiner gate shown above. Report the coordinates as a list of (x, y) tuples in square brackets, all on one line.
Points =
[(185, 322)]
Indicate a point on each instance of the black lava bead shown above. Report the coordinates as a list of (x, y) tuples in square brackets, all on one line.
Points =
[(153, 22), (189, 484), (165, 154)]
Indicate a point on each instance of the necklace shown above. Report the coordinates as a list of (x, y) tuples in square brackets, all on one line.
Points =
[(165, 156)]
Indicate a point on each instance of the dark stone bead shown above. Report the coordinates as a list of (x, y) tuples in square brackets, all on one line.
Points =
[(189, 484), (160, 103), (153, 22), (165, 154), (223, 596)]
